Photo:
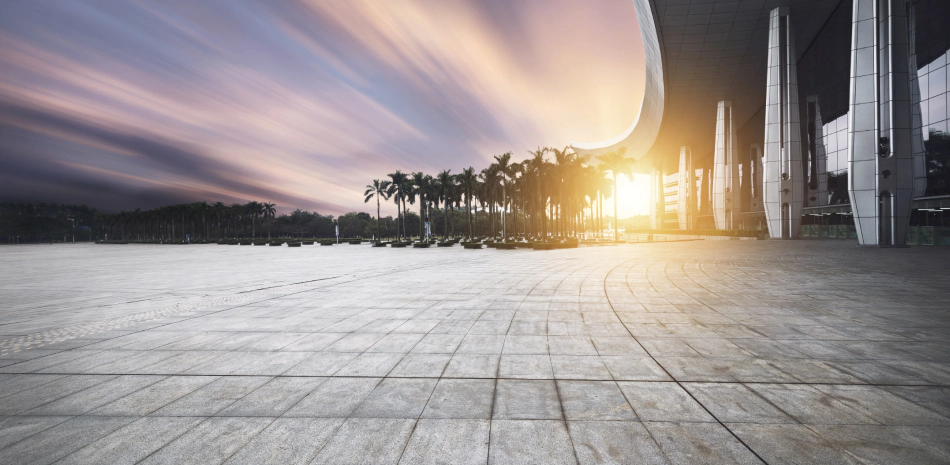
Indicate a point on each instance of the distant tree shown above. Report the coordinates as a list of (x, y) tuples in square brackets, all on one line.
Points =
[(380, 190)]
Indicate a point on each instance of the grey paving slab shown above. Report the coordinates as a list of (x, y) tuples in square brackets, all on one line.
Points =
[(421, 366), (397, 398), (213, 397), (288, 441), (336, 397), (461, 399), (211, 441), (153, 396), (273, 398), (579, 367), (808, 351), (133, 442), (594, 400), (526, 400), (16, 428), (472, 366), (530, 442), (614, 442), (367, 440), (443, 441), (699, 443), (526, 367), (95, 396), (370, 364), (61, 440)]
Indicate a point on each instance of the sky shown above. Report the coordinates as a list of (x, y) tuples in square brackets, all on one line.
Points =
[(126, 104)]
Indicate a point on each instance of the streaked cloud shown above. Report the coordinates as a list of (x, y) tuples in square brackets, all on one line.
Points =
[(124, 104)]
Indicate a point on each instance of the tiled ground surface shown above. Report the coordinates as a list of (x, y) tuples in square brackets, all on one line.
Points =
[(697, 352)]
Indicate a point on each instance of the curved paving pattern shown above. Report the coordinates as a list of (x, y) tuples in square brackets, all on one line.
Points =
[(725, 352)]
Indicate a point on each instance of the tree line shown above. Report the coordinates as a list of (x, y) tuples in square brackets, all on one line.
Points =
[(554, 193)]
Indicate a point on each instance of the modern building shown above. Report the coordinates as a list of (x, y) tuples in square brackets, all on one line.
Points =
[(799, 117)]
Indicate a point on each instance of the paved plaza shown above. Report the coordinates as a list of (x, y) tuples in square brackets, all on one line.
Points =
[(689, 352)]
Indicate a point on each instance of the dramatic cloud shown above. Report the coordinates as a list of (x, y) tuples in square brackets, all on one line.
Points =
[(135, 104)]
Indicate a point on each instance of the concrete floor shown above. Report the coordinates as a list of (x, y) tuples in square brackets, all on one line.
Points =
[(693, 352)]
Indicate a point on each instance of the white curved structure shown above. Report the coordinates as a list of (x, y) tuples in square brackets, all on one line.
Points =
[(639, 137)]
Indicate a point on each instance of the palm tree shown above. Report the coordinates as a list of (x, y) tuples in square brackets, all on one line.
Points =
[(468, 182), (270, 210), (380, 190), (503, 162), (616, 163), (398, 191), (446, 185)]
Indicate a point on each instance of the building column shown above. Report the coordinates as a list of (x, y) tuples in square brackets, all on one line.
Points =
[(783, 188), (880, 153), (755, 177), (686, 193), (727, 200)]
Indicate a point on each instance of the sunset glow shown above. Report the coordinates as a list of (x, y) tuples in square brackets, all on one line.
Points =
[(133, 104)]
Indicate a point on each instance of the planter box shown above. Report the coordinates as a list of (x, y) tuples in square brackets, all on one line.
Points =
[(420, 245), (355, 242), (306, 242), (472, 245), (543, 245), (276, 244), (293, 244), (506, 245), (398, 245), (445, 244)]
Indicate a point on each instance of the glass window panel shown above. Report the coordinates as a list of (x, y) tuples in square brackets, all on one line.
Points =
[(938, 109), (924, 112), (937, 81), (922, 82)]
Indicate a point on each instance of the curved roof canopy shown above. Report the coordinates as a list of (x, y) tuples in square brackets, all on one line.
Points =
[(699, 52)]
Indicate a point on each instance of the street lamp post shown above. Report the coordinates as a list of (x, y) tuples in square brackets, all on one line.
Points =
[(74, 229)]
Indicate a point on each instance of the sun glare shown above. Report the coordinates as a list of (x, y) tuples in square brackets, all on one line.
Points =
[(634, 196)]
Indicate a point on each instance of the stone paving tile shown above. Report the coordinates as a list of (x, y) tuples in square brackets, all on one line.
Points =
[(61, 440), (525, 441), (288, 441), (133, 442), (212, 441), (443, 441), (367, 440), (597, 442), (663, 402), (336, 397), (273, 398), (153, 397), (461, 399), (213, 397), (527, 400), (807, 352), (396, 398), (14, 429), (684, 442)]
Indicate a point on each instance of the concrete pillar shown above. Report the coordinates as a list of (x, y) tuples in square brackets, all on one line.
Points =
[(784, 184), (880, 152), (755, 177), (727, 200), (686, 194)]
